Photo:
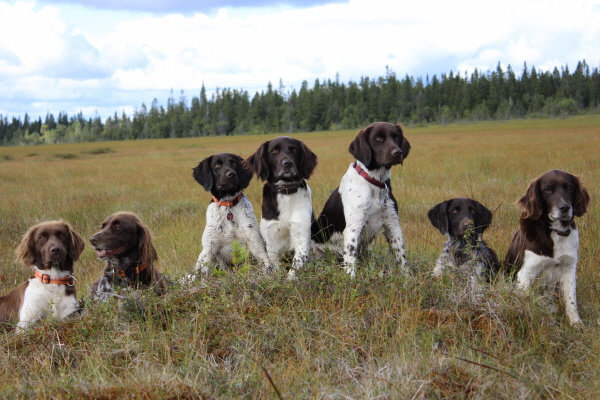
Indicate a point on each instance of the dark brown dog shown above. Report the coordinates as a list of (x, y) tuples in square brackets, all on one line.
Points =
[(126, 246), (544, 250), (463, 221)]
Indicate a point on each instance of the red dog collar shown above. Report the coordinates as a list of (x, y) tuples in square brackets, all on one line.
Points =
[(368, 178)]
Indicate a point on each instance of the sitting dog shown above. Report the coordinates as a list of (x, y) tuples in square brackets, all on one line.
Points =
[(50, 249), (544, 250), (285, 164), (126, 246), (229, 216), (463, 221), (363, 205)]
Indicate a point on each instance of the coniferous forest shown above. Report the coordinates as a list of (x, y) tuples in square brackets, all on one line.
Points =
[(330, 105)]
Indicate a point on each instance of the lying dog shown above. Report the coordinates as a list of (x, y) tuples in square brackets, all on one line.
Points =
[(126, 246), (363, 205), (50, 249), (230, 215), (285, 164), (544, 250), (463, 221)]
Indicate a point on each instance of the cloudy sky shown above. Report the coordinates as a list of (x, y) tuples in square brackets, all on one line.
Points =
[(102, 56)]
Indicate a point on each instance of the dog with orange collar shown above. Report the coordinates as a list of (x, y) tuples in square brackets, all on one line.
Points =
[(126, 245), (229, 216), (51, 249)]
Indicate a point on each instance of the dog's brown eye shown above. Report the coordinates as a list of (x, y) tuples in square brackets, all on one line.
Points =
[(217, 166), (234, 164), (379, 139), (548, 190), (42, 238), (455, 211), (568, 188), (294, 150), (275, 151)]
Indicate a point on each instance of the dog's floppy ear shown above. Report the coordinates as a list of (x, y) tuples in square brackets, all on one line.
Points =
[(203, 175), (308, 161), (25, 251), (438, 216), (257, 162), (146, 248), (76, 245), (483, 216), (531, 201), (244, 174), (360, 147), (581, 201), (404, 145)]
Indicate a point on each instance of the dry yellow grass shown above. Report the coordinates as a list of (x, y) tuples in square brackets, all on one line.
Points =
[(325, 336)]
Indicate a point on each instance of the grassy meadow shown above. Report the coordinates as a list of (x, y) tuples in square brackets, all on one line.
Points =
[(325, 336)]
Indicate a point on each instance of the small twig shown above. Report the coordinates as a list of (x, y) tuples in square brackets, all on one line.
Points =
[(277, 392), (422, 238), (488, 367)]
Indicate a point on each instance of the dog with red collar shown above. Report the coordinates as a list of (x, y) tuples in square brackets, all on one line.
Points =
[(363, 205), (50, 249)]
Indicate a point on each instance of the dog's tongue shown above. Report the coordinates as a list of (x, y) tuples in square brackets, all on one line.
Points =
[(109, 252)]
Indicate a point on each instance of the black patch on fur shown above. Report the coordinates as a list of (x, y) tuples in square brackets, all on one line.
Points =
[(270, 209), (330, 220)]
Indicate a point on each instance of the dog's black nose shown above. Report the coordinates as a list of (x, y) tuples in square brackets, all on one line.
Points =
[(93, 241), (564, 208), (230, 174), (55, 249), (396, 152), (287, 162)]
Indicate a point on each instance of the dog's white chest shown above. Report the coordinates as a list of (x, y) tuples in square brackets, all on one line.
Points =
[(549, 271), (565, 248), (363, 198), (295, 206)]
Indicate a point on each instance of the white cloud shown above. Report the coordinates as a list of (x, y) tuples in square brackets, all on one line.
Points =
[(73, 58)]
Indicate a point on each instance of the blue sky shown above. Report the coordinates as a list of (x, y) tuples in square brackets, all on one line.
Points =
[(102, 56)]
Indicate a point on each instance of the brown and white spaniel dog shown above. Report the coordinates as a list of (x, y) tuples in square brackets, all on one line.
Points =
[(285, 164), (544, 250), (363, 205), (125, 244), (50, 249), (229, 216)]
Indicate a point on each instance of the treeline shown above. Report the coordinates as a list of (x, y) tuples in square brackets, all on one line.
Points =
[(330, 105)]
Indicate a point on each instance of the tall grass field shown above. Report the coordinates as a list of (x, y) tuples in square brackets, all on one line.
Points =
[(243, 335)]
